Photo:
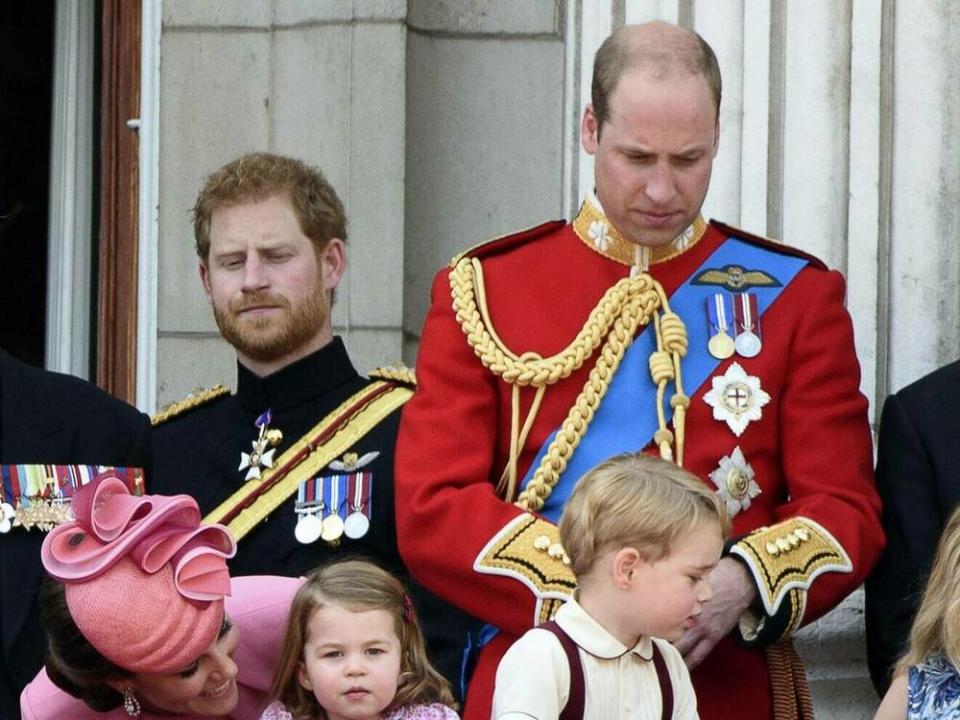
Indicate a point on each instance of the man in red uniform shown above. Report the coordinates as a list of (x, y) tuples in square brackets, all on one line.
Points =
[(640, 325)]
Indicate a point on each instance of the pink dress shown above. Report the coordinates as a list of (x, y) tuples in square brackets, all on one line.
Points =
[(258, 607), (433, 711)]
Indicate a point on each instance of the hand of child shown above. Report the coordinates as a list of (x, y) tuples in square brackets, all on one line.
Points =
[(733, 591)]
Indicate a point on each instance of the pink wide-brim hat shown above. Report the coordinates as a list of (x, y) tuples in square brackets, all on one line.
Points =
[(144, 580)]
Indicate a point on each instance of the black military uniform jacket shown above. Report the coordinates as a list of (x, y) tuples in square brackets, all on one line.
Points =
[(57, 419), (199, 452)]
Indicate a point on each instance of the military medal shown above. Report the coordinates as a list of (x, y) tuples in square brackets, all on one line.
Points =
[(720, 345), (308, 507), (748, 342), (308, 528), (736, 398), (735, 482), (260, 457), (332, 523), (7, 514), (357, 523)]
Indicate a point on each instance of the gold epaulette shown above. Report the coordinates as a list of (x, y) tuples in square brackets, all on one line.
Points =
[(509, 240), (193, 400), (784, 560), (398, 372)]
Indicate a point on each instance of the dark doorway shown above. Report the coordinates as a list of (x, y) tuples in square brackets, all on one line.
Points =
[(26, 82)]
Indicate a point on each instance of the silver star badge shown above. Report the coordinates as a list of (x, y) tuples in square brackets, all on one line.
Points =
[(736, 398), (735, 482)]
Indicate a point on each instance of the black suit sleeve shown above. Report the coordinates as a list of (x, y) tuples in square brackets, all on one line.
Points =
[(912, 518), (139, 452)]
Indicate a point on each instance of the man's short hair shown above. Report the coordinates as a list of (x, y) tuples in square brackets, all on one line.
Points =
[(634, 500), (680, 49), (258, 176)]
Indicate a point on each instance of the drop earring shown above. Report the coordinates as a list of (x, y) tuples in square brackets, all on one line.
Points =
[(131, 706)]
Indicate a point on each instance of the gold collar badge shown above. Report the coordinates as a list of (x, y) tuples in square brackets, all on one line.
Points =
[(599, 234)]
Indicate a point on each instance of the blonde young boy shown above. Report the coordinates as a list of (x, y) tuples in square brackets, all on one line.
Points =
[(642, 536)]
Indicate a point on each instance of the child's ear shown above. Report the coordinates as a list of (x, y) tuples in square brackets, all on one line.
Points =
[(303, 678), (626, 562)]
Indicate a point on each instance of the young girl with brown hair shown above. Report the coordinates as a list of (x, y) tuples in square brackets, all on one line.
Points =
[(353, 649)]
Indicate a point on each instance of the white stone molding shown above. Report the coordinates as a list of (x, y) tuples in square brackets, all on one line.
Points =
[(149, 204), (70, 241)]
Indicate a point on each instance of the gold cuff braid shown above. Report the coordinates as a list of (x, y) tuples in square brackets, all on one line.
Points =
[(528, 549), (789, 556), (610, 328)]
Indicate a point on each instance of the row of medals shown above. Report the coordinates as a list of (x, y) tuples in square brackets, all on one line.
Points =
[(42, 514), (312, 526), (722, 346)]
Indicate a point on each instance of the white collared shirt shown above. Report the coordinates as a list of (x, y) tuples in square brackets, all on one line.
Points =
[(533, 679)]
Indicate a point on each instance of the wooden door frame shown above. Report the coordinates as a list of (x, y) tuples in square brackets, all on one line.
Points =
[(119, 198)]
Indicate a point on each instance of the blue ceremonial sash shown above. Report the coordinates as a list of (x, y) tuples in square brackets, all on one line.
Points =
[(626, 419)]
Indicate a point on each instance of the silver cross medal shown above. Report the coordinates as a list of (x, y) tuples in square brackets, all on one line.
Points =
[(261, 456)]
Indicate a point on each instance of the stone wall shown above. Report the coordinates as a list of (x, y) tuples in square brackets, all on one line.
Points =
[(322, 81)]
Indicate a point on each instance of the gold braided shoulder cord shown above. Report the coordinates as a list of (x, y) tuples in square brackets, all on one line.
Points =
[(611, 326)]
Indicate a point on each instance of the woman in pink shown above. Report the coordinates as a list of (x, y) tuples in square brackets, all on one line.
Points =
[(144, 620)]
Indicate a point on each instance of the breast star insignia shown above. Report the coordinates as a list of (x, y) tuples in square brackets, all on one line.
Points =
[(735, 482), (736, 398)]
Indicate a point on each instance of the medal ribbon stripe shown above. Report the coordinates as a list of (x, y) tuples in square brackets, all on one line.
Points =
[(35, 475), (357, 510), (718, 307), (335, 494), (329, 439), (617, 427), (6, 484), (747, 323), (361, 483), (15, 491), (45, 482)]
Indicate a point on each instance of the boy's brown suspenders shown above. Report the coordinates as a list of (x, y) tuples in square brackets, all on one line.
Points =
[(573, 710)]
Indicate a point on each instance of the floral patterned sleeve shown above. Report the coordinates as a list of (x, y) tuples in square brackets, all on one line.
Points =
[(276, 711), (933, 690), (433, 711)]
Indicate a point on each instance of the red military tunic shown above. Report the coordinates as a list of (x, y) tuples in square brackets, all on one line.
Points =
[(810, 451)]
